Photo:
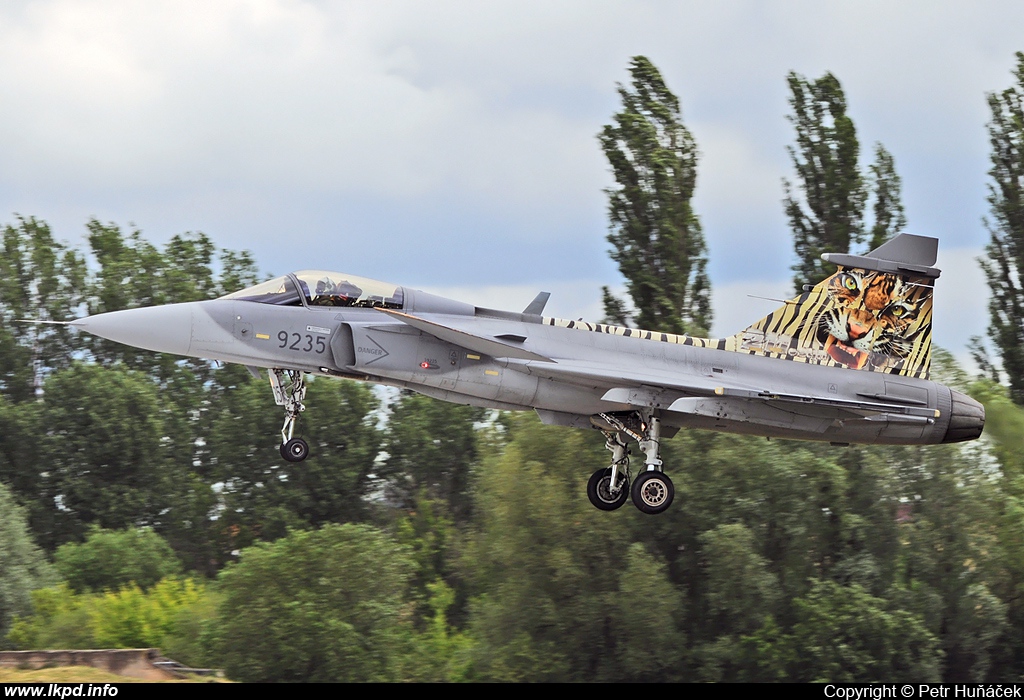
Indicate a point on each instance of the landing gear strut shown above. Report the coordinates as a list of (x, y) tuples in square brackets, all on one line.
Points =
[(289, 391), (608, 488), (652, 490)]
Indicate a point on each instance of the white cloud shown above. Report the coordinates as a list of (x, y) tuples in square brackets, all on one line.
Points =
[(269, 122), (961, 300), (279, 94)]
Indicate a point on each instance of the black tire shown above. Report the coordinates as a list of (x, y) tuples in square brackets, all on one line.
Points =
[(598, 493), (653, 492), (295, 450)]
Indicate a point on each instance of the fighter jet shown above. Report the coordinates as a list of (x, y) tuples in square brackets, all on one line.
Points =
[(846, 361)]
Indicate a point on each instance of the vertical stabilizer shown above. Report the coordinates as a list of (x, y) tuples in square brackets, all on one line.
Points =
[(874, 313)]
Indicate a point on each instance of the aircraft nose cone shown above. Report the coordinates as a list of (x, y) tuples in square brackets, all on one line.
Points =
[(158, 328)]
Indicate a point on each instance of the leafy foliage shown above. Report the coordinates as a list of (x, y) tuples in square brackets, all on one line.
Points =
[(107, 459), (111, 559), (828, 219), (23, 567), (655, 235), (889, 217), (1004, 260), (40, 279), (119, 619), (317, 606), (430, 447), (845, 635), (262, 494), (827, 214)]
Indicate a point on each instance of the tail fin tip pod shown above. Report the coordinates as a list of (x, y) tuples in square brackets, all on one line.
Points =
[(873, 314), (904, 254)]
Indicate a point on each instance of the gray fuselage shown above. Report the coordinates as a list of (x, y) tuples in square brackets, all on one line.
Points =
[(580, 374)]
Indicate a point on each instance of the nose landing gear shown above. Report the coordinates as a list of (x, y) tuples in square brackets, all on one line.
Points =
[(289, 388), (652, 491)]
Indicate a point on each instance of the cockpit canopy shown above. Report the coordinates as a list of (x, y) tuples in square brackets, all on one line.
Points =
[(322, 288)]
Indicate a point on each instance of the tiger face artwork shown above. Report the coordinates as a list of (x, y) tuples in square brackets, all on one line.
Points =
[(873, 317), (858, 319)]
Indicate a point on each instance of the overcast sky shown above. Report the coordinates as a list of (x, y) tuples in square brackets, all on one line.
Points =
[(452, 146)]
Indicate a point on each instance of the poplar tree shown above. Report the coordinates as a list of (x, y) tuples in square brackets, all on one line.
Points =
[(40, 279), (826, 209), (826, 215), (23, 567), (1004, 259), (886, 191), (655, 235)]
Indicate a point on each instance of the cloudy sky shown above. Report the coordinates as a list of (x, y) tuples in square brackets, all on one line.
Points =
[(451, 145)]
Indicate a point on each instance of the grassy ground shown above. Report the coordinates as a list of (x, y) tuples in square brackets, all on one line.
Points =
[(81, 674)]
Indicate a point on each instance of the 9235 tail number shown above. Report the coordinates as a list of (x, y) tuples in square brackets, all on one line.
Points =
[(302, 342)]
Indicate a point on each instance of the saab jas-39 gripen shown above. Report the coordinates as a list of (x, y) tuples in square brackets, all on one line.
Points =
[(846, 361)]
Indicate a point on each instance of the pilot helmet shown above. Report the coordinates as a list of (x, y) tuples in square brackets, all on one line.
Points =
[(324, 286)]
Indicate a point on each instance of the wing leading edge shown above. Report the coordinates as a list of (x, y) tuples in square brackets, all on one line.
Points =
[(488, 345)]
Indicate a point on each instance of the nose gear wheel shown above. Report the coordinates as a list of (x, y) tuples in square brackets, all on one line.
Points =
[(295, 450)]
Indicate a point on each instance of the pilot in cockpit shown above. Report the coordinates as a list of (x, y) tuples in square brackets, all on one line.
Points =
[(343, 293)]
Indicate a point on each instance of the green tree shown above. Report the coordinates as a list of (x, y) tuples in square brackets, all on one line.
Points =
[(23, 568), (21, 434), (40, 279), (318, 606), (1004, 427), (133, 272), (951, 558), (238, 270), (263, 495), (106, 452), (827, 217), (886, 192), (845, 635), (555, 583), (439, 652), (742, 590), (124, 618), (792, 501), (646, 624), (1004, 260), (110, 559), (430, 447), (430, 536), (655, 235)]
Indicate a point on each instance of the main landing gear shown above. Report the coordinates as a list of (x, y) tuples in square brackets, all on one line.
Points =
[(652, 491), (289, 391)]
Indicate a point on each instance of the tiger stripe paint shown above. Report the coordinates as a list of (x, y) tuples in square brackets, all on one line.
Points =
[(855, 319)]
